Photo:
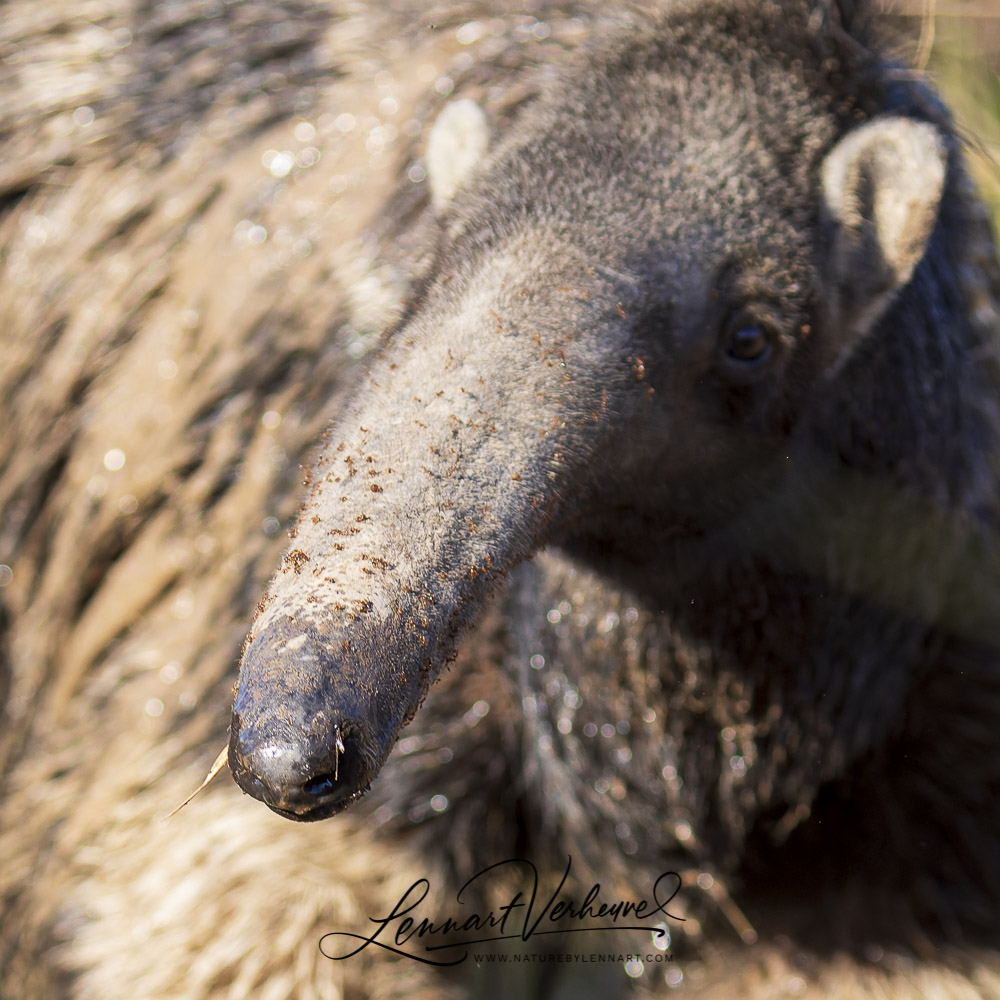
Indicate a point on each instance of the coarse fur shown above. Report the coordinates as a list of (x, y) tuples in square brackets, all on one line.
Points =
[(815, 738)]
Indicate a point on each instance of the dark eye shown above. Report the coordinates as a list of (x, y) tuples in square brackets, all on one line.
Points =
[(748, 343)]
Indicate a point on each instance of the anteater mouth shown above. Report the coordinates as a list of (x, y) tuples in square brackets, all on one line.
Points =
[(324, 807)]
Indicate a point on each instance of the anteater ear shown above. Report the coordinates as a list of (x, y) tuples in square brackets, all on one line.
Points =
[(456, 145), (882, 186)]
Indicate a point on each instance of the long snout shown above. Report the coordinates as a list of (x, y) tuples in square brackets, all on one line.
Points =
[(459, 460)]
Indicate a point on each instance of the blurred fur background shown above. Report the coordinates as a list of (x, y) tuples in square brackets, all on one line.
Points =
[(958, 41), (126, 557)]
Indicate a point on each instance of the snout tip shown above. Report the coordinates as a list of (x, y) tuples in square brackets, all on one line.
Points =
[(296, 781), (310, 730)]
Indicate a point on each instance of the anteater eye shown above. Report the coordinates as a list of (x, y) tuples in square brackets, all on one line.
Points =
[(748, 343)]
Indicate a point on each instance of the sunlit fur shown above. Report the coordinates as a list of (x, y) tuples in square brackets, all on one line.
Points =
[(172, 292)]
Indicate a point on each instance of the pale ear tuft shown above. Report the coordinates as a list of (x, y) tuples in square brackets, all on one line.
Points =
[(882, 187), (457, 143)]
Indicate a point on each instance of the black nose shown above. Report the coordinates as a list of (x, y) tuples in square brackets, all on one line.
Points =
[(294, 782), (299, 739)]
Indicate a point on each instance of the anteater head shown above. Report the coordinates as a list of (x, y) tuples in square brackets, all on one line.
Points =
[(642, 288)]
